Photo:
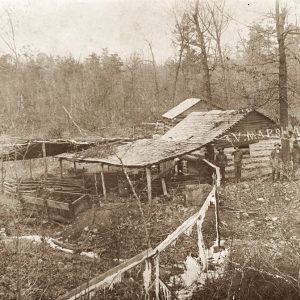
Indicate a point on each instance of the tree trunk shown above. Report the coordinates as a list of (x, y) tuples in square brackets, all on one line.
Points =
[(204, 59), (156, 106), (225, 76), (283, 101), (177, 74)]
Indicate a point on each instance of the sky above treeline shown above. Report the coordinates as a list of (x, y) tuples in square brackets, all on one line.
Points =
[(80, 27)]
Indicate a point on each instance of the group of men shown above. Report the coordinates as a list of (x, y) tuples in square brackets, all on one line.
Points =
[(276, 161), (222, 161)]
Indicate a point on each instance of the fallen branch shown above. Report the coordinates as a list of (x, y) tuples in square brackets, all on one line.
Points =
[(75, 124), (276, 276), (233, 210)]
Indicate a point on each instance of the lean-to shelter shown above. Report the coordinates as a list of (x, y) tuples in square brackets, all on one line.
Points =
[(18, 149), (195, 131)]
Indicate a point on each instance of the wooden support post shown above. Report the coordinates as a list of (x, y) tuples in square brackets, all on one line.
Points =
[(96, 184), (45, 160), (217, 217), (16, 168), (75, 169), (157, 276), (164, 186), (30, 169), (103, 182), (61, 168), (148, 176), (46, 208), (2, 174)]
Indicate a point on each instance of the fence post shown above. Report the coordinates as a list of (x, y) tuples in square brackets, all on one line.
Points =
[(157, 276), (2, 172)]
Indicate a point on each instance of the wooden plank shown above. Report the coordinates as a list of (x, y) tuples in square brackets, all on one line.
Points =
[(50, 203), (78, 200), (33, 200), (58, 205), (157, 277), (81, 204), (68, 193), (100, 280)]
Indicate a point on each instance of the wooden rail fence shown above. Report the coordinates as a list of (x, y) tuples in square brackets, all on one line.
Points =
[(30, 186), (151, 256)]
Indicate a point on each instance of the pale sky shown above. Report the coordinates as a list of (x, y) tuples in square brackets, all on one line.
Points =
[(80, 27)]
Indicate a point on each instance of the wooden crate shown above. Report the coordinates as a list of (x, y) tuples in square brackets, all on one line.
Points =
[(58, 210)]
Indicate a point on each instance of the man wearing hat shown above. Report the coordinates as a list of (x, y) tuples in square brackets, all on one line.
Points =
[(276, 162), (221, 162), (237, 161)]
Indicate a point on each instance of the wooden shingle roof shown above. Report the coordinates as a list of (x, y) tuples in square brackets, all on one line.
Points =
[(192, 133), (140, 153), (204, 127)]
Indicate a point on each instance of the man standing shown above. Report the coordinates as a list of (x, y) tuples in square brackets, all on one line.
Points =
[(276, 162), (205, 170), (221, 162), (237, 161)]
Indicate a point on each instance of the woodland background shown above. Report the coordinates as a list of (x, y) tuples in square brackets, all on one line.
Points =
[(104, 90)]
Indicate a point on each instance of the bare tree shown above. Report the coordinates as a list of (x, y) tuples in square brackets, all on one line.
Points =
[(9, 39), (155, 74), (182, 45), (283, 97), (215, 25), (203, 56)]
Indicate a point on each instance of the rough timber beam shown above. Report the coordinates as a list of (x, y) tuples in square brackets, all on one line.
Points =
[(149, 187)]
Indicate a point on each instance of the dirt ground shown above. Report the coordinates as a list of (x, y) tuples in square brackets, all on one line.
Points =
[(254, 214)]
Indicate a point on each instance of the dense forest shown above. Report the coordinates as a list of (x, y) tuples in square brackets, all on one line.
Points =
[(104, 90)]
